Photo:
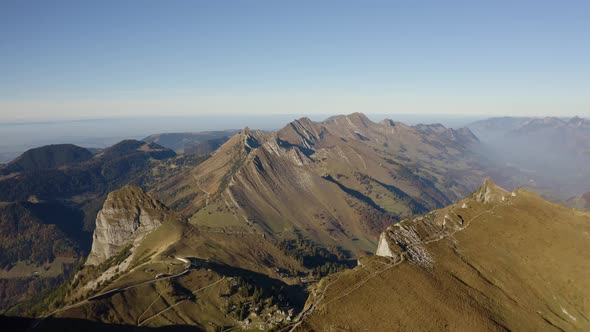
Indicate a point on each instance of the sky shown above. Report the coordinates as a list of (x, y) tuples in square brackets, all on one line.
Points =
[(102, 59)]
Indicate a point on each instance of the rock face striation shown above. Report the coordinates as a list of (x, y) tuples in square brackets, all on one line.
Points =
[(338, 182), (127, 215)]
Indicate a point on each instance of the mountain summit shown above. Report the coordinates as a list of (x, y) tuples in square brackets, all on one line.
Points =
[(127, 215), (336, 182)]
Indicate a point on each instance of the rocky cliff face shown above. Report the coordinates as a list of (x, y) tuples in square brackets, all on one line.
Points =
[(127, 215), (338, 182), (408, 238)]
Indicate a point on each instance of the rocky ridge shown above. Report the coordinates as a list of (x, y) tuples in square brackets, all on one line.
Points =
[(407, 239), (338, 182), (127, 215)]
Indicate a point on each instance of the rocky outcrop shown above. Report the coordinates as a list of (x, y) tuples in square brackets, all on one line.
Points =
[(383, 247), (127, 215), (407, 239), (489, 192)]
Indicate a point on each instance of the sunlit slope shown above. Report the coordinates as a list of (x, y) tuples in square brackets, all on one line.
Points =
[(494, 261), (152, 268), (339, 182)]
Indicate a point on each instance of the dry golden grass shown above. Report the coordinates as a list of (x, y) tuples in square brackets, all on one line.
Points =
[(522, 265)]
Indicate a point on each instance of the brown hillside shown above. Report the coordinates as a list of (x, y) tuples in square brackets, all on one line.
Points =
[(338, 182), (494, 261)]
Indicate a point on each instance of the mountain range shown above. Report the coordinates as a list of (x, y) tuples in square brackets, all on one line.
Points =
[(336, 182), (269, 230)]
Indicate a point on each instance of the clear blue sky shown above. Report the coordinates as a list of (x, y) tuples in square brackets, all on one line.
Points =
[(77, 59)]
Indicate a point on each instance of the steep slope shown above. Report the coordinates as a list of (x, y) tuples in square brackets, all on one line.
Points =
[(265, 216), (39, 249), (337, 183), (159, 270), (127, 215), (82, 184), (45, 157), (59, 206), (107, 170), (496, 260)]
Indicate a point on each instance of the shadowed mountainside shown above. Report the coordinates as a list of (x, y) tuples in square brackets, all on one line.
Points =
[(45, 157), (192, 143), (276, 211), (47, 210)]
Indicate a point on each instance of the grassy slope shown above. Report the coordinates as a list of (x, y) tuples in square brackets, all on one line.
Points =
[(521, 266), (337, 182), (63, 202), (222, 259)]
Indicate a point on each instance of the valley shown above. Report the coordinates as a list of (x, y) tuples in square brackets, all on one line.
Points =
[(294, 166), (264, 229)]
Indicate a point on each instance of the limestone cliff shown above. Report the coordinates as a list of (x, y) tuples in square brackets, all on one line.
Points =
[(383, 248), (128, 214)]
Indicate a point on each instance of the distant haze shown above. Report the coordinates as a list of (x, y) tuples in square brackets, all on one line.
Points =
[(79, 59), (16, 137)]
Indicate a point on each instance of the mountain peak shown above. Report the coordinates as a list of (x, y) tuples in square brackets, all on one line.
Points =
[(388, 122), (129, 146), (356, 119), (490, 192), (302, 132), (358, 115), (48, 156), (127, 215)]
